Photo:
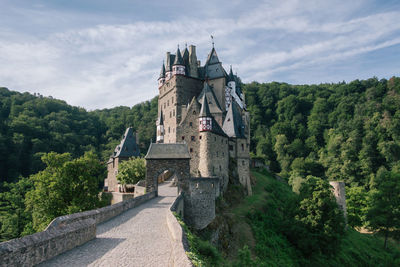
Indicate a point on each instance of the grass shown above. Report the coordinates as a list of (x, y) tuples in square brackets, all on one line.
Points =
[(251, 233), (273, 249)]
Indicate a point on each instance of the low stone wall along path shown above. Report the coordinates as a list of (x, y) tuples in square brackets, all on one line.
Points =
[(137, 237)]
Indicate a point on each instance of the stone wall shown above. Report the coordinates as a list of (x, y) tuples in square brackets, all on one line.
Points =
[(177, 91), (214, 160), (339, 191), (62, 234), (180, 244), (154, 167), (199, 204), (190, 127)]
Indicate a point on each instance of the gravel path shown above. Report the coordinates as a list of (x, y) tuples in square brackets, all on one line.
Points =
[(138, 237)]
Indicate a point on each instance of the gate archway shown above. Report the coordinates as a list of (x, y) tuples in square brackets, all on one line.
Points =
[(172, 157)]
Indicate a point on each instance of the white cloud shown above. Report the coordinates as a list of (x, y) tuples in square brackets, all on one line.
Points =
[(105, 65)]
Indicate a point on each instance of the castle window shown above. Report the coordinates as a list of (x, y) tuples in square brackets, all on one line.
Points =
[(230, 148), (200, 137), (172, 100), (191, 150), (242, 147), (217, 153), (170, 114), (190, 124), (212, 185), (173, 113), (192, 138), (219, 167), (197, 185), (183, 137), (223, 153), (169, 130), (243, 162), (194, 112)]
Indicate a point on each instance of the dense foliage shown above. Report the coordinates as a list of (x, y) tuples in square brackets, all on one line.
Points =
[(281, 239), (335, 131), (31, 125), (131, 171)]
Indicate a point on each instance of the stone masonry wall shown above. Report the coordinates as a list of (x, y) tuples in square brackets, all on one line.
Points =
[(155, 167), (214, 160), (178, 91), (190, 127), (62, 234), (199, 204)]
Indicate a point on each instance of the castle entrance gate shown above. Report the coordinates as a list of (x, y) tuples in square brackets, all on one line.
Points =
[(172, 157)]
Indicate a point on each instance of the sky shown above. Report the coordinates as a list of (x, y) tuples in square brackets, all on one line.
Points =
[(101, 54)]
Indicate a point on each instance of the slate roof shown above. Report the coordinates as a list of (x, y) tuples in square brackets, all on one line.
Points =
[(212, 57), (211, 99), (205, 110), (168, 151), (128, 146), (162, 72), (178, 58), (233, 125)]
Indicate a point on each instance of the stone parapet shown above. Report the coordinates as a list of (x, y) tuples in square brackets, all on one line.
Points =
[(62, 234), (180, 244)]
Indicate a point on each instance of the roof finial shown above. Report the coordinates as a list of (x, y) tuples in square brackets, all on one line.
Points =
[(185, 45), (212, 40), (178, 46)]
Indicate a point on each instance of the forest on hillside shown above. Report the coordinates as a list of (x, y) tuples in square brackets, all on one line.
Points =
[(339, 131)]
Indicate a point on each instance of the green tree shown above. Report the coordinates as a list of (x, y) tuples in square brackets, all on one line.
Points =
[(131, 171), (320, 222), (384, 204), (356, 204), (15, 221), (64, 187)]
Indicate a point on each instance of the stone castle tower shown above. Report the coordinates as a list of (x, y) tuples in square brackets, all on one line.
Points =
[(204, 107)]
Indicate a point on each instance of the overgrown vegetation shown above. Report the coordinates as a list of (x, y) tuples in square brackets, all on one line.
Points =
[(276, 231), (131, 171)]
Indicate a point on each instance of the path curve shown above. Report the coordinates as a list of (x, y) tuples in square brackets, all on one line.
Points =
[(137, 237)]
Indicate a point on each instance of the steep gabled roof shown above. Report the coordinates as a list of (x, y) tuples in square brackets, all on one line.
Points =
[(233, 125), (128, 146), (212, 57), (211, 99)]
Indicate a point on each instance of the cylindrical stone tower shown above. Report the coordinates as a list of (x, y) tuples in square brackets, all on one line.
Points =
[(339, 192)]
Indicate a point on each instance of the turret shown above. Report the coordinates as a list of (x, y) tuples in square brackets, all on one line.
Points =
[(178, 68), (231, 80), (193, 63), (168, 67), (160, 128), (161, 79), (205, 118)]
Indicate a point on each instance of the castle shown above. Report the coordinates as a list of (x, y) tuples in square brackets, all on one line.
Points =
[(204, 107)]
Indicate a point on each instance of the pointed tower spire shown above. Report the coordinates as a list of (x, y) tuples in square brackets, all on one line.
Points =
[(231, 77), (178, 57), (205, 118), (162, 72), (161, 79), (178, 67)]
